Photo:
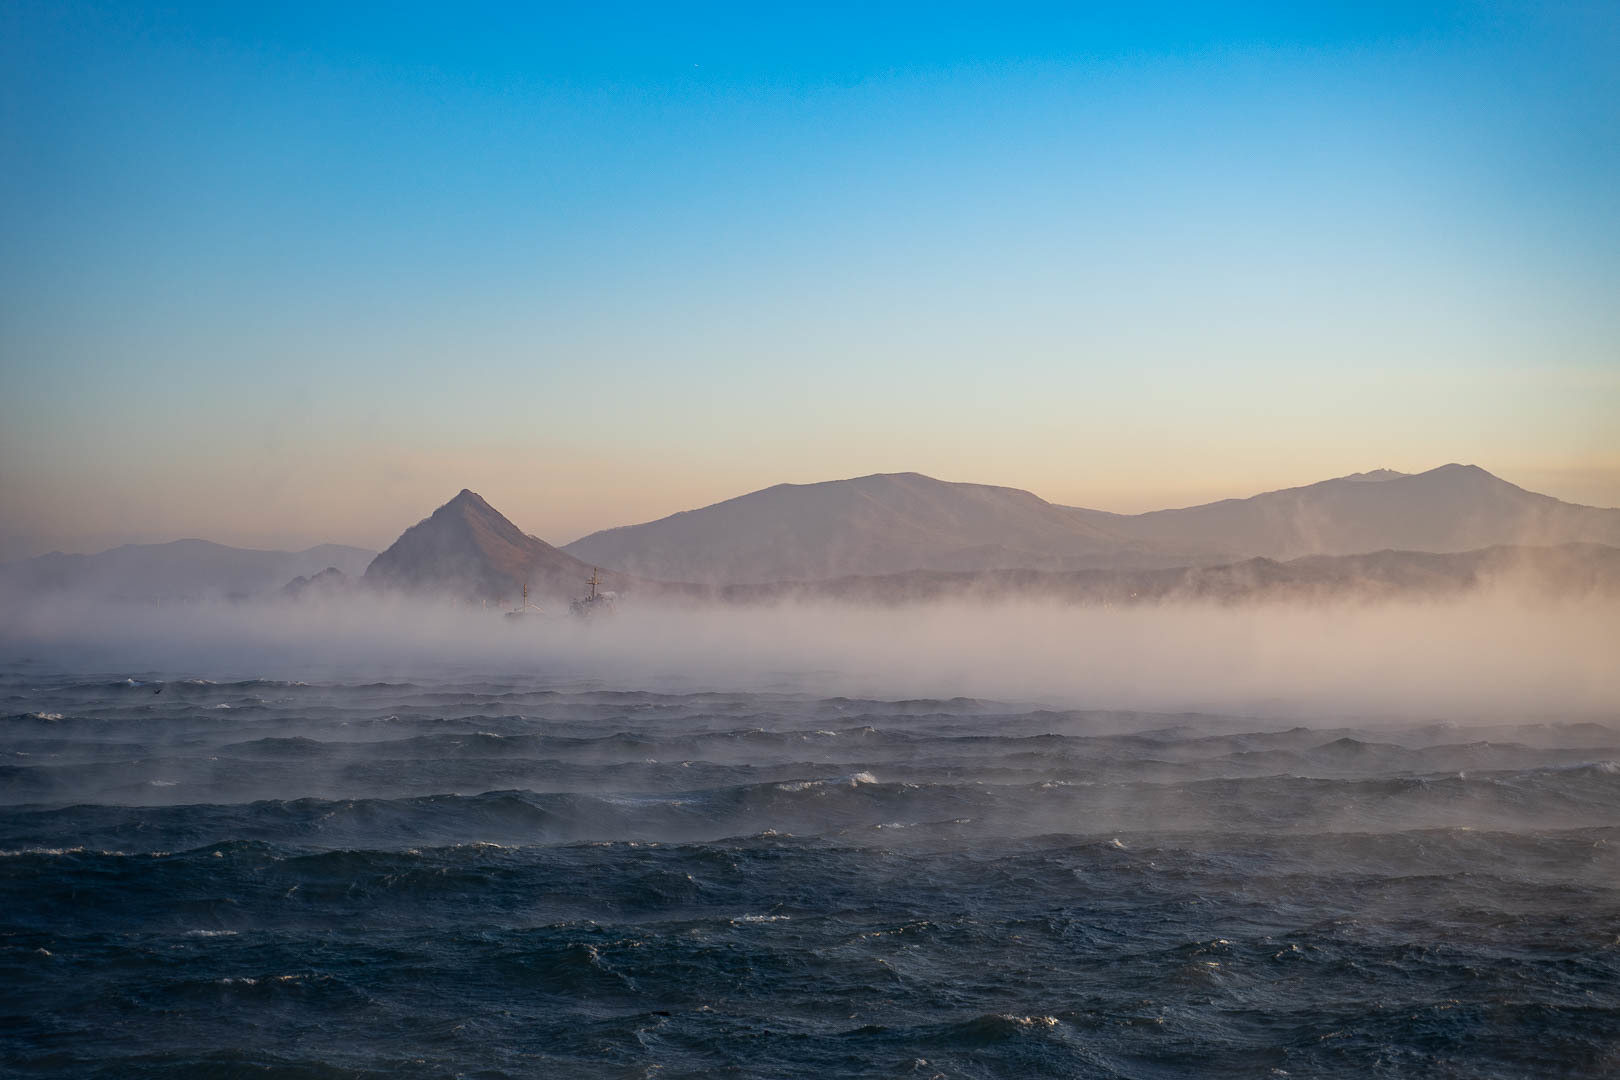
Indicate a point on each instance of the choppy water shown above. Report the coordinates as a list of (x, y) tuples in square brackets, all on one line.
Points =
[(504, 877)]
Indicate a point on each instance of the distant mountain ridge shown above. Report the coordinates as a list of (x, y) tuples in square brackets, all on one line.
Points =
[(884, 523), (179, 569), (1451, 508), (889, 523), (894, 533), (468, 548)]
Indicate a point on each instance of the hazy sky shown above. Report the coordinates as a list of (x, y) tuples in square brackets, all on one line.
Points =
[(274, 275)]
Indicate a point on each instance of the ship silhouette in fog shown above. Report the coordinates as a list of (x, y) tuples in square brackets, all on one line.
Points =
[(597, 602)]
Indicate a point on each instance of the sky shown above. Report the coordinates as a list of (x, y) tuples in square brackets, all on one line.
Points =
[(277, 275)]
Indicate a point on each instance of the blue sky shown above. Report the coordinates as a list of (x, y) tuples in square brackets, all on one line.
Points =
[(280, 275)]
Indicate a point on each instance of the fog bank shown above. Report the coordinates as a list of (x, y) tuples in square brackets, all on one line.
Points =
[(1490, 655)]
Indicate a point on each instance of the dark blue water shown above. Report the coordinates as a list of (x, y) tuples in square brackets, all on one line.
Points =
[(492, 877)]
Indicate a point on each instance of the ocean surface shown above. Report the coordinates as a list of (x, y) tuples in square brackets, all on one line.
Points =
[(509, 876)]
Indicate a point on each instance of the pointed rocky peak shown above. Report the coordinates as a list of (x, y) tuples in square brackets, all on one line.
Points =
[(468, 547), (471, 515), (468, 503)]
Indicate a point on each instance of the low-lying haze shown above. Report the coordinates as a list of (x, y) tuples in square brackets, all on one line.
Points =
[(1498, 652)]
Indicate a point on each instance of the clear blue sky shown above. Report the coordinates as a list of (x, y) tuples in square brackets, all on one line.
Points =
[(281, 274)]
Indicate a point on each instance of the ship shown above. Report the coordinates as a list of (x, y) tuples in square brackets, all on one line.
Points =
[(525, 609), (595, 603)]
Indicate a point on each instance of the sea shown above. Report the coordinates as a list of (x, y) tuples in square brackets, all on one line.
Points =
[(530, 873)]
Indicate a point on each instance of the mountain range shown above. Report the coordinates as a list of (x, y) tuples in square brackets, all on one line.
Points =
[(178, 570), (889, 523), (904, 535)]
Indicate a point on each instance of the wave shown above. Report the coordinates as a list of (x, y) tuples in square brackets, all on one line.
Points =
[(415, 878), (1587, 794)]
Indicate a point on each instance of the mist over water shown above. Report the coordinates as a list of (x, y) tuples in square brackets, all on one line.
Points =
[(376, 838), (1500, 652)]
